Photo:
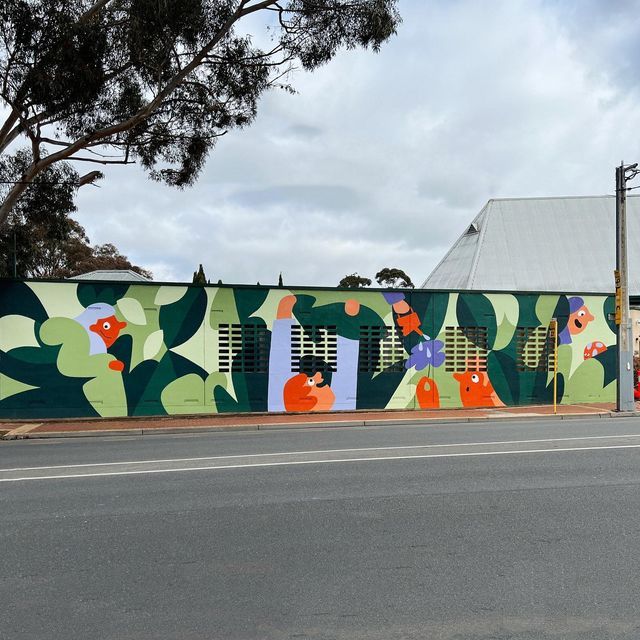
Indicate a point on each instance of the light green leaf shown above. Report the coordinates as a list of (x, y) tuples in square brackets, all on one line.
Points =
[(17, 331), (169, 295), (152, 344), (10, 387), (132, 311)]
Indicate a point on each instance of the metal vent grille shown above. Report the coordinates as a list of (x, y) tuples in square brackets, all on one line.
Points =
[(466, 348), (534, 347), (243, 348), (381, 349), (315, 346)]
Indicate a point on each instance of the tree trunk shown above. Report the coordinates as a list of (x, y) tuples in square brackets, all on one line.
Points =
[(12, 197)]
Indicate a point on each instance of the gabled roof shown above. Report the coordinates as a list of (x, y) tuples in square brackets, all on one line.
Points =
[(110, 274), (542, 244)]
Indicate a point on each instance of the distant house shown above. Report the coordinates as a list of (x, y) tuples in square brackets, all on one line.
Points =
[(126, 275), (543, 245)]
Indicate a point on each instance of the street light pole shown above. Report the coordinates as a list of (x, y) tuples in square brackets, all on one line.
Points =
[(625, 401)]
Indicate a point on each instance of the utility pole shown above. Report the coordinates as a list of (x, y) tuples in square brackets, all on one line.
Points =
[(625, 401)]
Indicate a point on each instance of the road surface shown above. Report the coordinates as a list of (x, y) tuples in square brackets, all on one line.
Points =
[(519, 530)]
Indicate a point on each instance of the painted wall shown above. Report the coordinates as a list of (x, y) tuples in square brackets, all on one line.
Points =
[(114, 349)]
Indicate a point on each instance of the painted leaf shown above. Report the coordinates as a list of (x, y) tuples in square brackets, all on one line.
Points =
[(169, 294), (110, 293), (474, 310), (504, 377), (181, 320), (153, 344), (132, 311), (16, 298)]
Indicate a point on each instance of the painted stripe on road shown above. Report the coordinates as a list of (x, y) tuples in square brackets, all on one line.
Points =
[(305, 462), (319, 451)]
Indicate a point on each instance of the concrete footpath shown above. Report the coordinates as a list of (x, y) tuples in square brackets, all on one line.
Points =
[(147, 425)]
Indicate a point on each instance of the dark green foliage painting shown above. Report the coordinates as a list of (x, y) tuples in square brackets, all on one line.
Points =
[(117, 349)]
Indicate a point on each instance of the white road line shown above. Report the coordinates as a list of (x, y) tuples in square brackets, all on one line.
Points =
[(302, 462), (295, 453)]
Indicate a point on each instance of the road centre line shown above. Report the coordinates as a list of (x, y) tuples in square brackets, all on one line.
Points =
[(293, 453), (304, 462)]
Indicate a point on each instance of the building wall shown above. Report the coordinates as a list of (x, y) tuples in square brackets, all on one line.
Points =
[(115, 349)]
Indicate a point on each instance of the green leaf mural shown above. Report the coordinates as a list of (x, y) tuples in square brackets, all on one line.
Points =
[(431, 309), (17, 299), (475, 310), (375, 391), (609, 309), (503, 374), (308, 311), (180, 320), (107, 292), (54, 394), (609, 362), (561, 313), (166, 353), (248, 301)]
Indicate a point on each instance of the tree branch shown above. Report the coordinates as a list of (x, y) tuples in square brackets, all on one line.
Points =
[(93, 11), (98, 161), (40, 118)]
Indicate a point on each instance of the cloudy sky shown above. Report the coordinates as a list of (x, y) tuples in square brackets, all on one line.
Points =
[(382, 160)]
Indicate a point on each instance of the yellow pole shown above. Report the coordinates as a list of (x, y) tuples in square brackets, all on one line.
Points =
[(554, 328)]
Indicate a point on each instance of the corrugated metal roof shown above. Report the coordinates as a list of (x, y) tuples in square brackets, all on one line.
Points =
[(110, 274), (542, 244)]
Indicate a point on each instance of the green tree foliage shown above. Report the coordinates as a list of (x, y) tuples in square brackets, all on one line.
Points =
[(157, 81), (107, 256), (199, 277), (354, 281), (394, 278), (40, 237)]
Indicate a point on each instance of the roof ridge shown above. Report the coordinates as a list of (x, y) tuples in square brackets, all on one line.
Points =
[(476, 255), (454, 245), (592, 197)]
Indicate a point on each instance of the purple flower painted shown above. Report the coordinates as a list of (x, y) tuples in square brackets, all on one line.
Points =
[(425, 353)]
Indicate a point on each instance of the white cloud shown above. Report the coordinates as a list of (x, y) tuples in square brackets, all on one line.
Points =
[(382, 160)]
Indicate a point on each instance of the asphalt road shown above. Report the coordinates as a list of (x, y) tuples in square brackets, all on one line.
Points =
[(525, 530)]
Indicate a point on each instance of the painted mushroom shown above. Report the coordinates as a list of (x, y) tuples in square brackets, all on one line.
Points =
[(594, 349)]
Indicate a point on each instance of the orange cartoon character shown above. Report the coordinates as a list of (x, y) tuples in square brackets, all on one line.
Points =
[(308, 393), (579, 318), (103, 328), (476, 390), (316, 386)]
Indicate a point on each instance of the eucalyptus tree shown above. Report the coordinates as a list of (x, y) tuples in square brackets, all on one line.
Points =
[(355, 281), (156, 82), (393, 277)]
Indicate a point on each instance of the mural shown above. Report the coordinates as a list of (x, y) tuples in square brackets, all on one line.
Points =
[(113, 349)]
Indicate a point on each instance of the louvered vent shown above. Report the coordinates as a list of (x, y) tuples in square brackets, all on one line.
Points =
[(466, 348), (381, 349), (314, 344), (243, 348), (534, 349)]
